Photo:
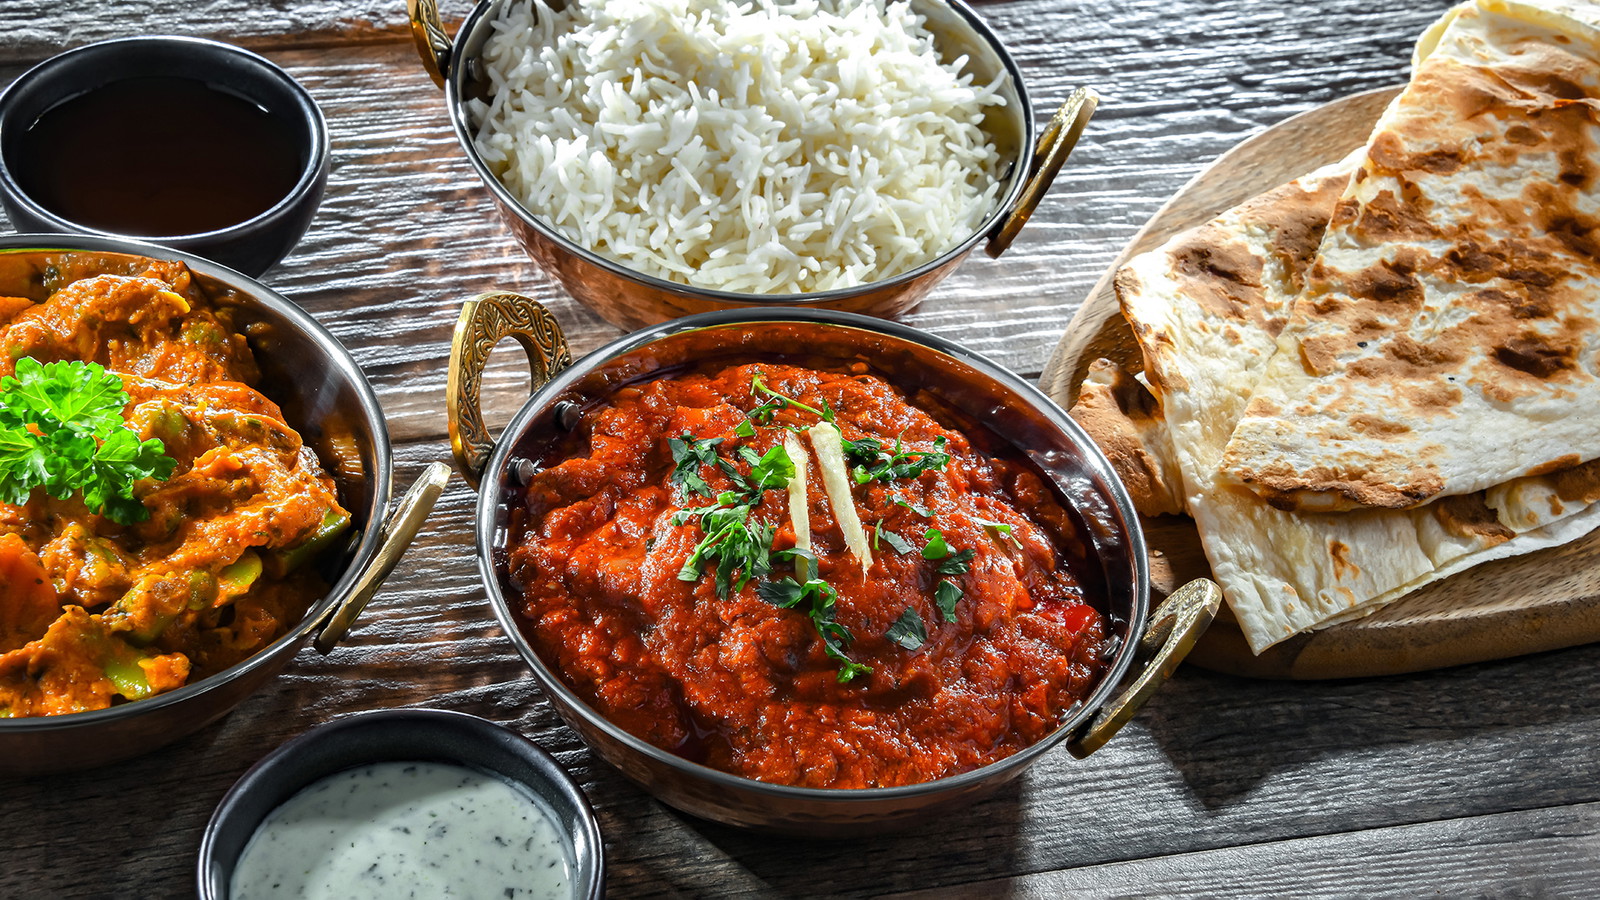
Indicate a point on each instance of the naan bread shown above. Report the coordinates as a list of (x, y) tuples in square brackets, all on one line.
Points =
[(1126, 422), (1206, 308), (1449, 336)]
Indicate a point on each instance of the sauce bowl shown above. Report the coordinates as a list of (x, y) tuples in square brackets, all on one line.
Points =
[(632, 299), (399, 735), (251, 246), (324, 394), (1148, 646)]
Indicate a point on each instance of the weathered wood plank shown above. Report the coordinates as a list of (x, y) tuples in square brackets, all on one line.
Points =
[(1540, 852)]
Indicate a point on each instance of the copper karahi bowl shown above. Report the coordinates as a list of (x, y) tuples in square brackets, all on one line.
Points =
[(1147, 646), (631, 299), (322, 391)]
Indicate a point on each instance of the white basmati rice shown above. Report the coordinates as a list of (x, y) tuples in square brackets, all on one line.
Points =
[(762, 147)]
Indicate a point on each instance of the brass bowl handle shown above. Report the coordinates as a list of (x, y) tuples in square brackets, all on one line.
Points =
[(485, 320), (427, 32), (399, 528), (1174, 629), (1054, 146)]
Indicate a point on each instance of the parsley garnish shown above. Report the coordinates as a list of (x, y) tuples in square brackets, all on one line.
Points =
[(908, 630), (936, 548), (688, 455), (61, 429)]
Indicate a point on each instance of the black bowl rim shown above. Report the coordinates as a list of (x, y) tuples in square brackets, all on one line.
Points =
[(1004, 204), (488, 504), (317, 161), (470, 727), (383, 457)]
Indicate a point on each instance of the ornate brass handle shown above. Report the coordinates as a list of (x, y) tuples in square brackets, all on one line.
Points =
[(427, 32), (1054, 146), (485, 320), (1172, 633), (399, 528)]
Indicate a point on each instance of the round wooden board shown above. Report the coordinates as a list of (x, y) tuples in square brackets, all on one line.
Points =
[(1526, 604)]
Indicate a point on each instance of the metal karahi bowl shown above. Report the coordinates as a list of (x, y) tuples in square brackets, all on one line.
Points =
[(326, 397), (1149, 645), (632, 299)]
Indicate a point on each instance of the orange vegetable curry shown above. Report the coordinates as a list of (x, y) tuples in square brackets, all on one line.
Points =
[(936, 617), (93, 613)]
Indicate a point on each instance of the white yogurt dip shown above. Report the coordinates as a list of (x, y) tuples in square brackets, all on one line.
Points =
[(407, 829)]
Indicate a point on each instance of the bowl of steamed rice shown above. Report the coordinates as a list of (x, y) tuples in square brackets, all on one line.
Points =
[(667, 157)]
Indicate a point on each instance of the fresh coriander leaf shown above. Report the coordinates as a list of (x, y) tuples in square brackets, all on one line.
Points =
[(936, 548), (745, 429), (908, 630), (757, 386), (922, 511), (1000, 531), (785, 592), (724, 527), (689, 454), (849, 670), (819, 599), (762, 415), (732, 471), (956, 563), (900, 544), (773, 469), (945, 597), (800, 553), (876, 464), (748, 455)]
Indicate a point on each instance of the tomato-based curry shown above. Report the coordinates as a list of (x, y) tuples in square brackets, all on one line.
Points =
[(94, 613), (933, 619)]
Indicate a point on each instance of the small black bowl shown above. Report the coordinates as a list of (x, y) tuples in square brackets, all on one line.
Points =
[(251, 246), (398, 735)]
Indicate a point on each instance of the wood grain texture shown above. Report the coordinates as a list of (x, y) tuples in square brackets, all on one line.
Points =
[(1214, 763), (1526, 604), (1534, 853)]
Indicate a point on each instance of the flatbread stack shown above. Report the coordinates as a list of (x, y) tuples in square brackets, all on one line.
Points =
[(1388, 370)]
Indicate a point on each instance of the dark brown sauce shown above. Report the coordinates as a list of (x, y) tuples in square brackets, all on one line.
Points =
[(158, 156)]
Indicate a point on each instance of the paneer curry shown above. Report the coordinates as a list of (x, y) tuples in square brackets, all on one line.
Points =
[(216, 563)]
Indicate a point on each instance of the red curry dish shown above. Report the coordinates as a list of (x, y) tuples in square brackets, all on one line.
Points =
[(933, 620), (94, 613)]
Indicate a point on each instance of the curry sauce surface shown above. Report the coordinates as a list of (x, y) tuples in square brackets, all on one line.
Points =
[(93, 613), (744, 686)]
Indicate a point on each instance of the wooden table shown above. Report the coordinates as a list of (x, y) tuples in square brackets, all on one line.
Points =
[(1482, 780)]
